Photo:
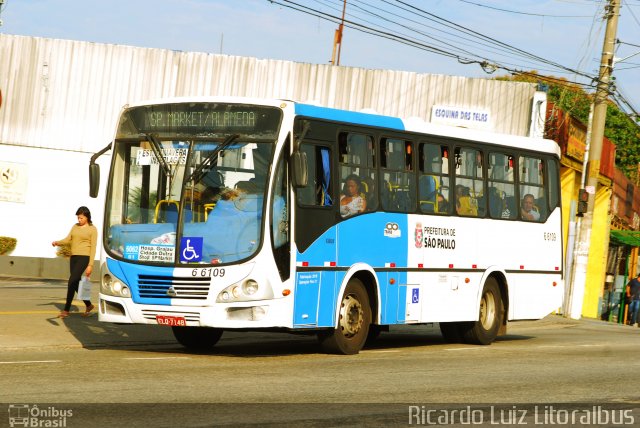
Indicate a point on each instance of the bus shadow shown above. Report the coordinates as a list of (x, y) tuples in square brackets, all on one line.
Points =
[(513, 337), (95, 335)]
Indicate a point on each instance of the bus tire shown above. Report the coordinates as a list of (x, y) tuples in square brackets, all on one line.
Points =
[(197, 338), (485, 330), (374, 333), (453, 332), (354, 319)]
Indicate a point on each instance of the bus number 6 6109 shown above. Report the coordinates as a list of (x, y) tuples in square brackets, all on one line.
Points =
[(210, 272)]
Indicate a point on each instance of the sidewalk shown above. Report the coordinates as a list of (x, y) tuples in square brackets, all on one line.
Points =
[(28, 315)]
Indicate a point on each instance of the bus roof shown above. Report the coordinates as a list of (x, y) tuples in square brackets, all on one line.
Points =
[(419, 126), (413, 124)]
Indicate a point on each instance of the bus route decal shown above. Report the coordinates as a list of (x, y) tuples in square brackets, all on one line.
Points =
[(149, 253), (308, 278), (171, 155)]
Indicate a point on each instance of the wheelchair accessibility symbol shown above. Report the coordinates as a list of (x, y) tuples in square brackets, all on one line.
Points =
[(415, 295), (191, 249)]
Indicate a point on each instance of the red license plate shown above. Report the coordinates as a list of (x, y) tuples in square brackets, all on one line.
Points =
[(171, 320)]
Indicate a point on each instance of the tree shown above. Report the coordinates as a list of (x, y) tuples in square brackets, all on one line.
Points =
[(619, 128)]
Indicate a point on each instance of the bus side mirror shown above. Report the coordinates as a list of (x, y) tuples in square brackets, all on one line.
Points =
[(94, 172), (300, 169), (94, 179)]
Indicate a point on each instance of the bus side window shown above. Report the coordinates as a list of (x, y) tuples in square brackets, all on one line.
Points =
[(397, 179), (469, 190), (533, 200), (501, 174), (280, 219), (357, 158), (553, 184), (318, 190), (433, 178)]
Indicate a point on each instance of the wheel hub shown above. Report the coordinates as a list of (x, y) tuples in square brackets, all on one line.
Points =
[(488, 311), (351, 316)]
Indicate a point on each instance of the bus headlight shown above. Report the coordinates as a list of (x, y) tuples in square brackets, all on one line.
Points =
[(248, 289), (114, 287), (236, 292)]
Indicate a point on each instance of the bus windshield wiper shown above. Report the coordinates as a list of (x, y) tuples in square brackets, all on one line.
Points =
[(209, 160), (157, 150)]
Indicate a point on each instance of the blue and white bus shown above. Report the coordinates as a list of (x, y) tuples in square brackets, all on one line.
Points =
[(236, 213)]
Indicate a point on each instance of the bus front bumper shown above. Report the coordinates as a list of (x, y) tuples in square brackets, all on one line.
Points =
[(253, 314)]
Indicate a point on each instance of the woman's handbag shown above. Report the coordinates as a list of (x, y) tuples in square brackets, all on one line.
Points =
[(84, 288)]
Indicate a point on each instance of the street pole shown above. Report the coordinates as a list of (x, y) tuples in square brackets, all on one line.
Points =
[(577, 285), (568, 296), (337, 38)]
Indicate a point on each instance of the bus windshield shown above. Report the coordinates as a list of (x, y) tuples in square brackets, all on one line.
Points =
[(188, 183)]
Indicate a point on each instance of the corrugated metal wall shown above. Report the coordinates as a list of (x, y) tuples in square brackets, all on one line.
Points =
[(67, 94)]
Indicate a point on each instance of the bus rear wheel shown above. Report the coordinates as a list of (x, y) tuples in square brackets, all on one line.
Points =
[(485, 330), (354, 319), (197, 338)]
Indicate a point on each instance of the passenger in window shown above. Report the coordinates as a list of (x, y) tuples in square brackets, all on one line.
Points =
[(529, 211), (352, 201), (369, 190), (443, 204), (463, 202)]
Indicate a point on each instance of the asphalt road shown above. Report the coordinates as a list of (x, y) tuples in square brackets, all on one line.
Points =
[(112, 375)]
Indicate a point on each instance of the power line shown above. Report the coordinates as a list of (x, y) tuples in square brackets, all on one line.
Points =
[(515, 49), (466, 58), (631, 11), (438, 45), (625, 43), (524, 13)]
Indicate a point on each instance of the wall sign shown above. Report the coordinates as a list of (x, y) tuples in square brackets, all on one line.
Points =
[(461, 116), (13, 182)]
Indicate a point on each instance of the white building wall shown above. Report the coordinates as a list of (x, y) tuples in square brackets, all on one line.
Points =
[(56, 186), (61, 99)]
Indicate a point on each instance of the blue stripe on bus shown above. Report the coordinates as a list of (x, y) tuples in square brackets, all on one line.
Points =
[(385, 243), (130, 273), (349, 116)]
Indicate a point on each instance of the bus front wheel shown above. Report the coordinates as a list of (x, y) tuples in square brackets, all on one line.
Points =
[(197, 338), (354, 319), (485, 330)]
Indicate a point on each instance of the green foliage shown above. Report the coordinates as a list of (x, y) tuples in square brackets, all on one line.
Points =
[(134, 213), (7, 244), (619, 128), (625, 134)]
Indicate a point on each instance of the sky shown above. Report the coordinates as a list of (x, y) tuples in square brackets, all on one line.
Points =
[(562, 38)]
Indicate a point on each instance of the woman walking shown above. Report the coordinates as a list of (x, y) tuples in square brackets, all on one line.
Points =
[(83, 239)]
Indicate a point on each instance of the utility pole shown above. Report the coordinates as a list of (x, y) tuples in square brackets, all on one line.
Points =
[(573, 308), (337, 38)]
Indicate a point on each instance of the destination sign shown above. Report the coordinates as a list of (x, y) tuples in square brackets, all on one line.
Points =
[(201, 118)]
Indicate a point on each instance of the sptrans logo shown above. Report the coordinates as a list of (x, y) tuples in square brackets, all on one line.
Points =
[(24, 415)]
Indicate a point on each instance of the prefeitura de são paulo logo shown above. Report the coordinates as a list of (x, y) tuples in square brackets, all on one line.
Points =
[(418, 235)]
